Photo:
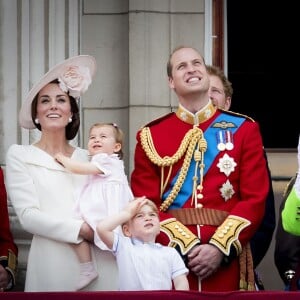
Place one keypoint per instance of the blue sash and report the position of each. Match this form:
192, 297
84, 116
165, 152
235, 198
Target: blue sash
211, 136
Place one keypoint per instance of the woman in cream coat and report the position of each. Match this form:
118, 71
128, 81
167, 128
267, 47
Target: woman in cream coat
43, 192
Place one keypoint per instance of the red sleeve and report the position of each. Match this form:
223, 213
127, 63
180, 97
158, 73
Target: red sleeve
6, 237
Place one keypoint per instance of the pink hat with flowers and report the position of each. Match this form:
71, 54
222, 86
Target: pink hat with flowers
74, 75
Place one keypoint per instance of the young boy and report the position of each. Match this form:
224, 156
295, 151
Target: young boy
143, 264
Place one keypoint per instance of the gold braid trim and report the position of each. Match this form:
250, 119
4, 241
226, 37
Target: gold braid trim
179, 234
149, 148
10, 261
227, 234
247, 279
187, 146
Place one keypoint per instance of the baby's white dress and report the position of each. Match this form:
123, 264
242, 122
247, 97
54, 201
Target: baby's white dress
103, 194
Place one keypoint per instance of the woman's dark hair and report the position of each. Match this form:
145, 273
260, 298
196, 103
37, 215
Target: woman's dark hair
72, 127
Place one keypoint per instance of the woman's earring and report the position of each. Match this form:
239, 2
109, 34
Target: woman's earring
70, 119
36, 120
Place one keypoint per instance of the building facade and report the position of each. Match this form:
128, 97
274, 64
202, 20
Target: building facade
131, 41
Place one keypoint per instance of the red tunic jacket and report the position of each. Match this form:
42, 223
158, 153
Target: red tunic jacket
8, 249
235, 181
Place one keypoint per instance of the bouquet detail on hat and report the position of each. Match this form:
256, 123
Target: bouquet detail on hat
75, 80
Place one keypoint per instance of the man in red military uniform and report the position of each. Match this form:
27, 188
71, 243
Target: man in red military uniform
8, 249
205, 169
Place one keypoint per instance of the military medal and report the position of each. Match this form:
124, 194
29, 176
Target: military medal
221, 138
227, 190
226, 164
225, 140
229, 140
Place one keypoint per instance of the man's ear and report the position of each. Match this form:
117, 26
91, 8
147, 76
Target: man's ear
171, 84
227, 103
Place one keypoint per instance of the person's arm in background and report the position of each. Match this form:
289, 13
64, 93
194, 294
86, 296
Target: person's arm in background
291, 210
8, 248
287, 246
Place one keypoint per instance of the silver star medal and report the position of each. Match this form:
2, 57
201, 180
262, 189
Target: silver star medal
227, 190
226, 164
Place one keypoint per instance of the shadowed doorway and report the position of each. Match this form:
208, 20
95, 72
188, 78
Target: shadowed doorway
260, 56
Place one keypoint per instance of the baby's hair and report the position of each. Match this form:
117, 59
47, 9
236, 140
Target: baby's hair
118, 134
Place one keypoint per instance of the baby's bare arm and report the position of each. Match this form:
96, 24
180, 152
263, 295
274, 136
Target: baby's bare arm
77, 167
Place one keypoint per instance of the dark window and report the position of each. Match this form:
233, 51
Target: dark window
261, 56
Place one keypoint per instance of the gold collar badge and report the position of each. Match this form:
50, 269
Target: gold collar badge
195, 119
